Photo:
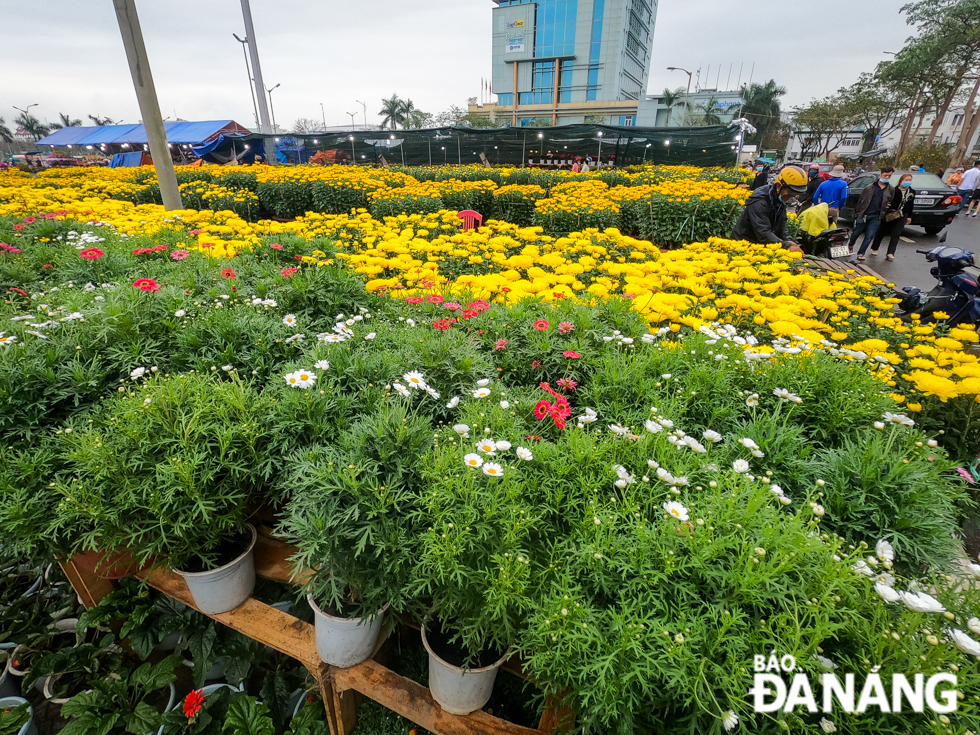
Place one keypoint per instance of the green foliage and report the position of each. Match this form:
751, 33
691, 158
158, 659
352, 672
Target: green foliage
671, 222
12, 719
118, 702
247, 716
286, 198
167, 470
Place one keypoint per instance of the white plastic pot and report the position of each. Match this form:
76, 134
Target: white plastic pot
459, 691
345, 642
8, 685
217, 671
225, 588
29, 728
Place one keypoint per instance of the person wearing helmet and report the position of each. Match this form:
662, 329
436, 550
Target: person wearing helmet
764, 218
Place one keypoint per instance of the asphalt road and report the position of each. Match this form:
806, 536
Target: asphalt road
909, 267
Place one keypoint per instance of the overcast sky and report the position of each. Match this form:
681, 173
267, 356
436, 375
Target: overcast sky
67, 55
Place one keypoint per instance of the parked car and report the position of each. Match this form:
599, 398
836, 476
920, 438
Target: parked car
935, 203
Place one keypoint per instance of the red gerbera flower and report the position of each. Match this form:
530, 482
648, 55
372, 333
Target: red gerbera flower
426, 284
441, 324
18, 227
47, 265
91, 254
542, 409
275, 246
287, 272
193, 703
536, 364
434, 299
541, 325
469, 313
29, 220
413, 300
571, 354
567, 383
228, 273
146, 284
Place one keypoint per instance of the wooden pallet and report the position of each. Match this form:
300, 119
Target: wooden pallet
848, 269
342, 689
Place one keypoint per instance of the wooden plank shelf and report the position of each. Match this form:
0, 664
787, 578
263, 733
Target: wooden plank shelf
341, 688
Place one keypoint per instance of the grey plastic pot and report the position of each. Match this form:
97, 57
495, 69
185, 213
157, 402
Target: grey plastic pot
459, 691
345, 642
8, 685
170, 642
29, 728
217, 671
224, 588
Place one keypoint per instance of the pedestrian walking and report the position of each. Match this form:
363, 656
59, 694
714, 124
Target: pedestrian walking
968, 186
870, 210
761, 177
833, 193
897, 215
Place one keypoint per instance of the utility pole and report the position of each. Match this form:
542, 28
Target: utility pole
146, 95
253, 50
324, 116
364, 104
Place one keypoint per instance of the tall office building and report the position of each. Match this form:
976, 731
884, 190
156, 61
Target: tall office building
569, 61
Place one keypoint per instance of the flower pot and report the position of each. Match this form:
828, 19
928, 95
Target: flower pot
228, 586
217, 671
112, 564
345, 642
8, 684
169, 643
27, 729
460, 691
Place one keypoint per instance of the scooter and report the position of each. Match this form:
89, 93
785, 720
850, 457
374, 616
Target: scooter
958, 292
830, 244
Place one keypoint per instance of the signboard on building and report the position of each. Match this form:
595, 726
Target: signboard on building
515, 45
516, 23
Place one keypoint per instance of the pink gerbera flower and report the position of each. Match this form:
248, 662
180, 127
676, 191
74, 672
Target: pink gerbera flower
287, 272
567, 383
571, 354
413, 300
275, 246
179, 254
29, 220
566, 327
541, 325
91, 254
452, 306
434, 299
500, 344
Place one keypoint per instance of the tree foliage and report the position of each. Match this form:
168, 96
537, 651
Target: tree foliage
762, 107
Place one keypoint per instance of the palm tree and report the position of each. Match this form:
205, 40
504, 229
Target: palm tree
761, 106
101, 120
32, 126
65, 122
6, 134
709, 112
391, 112
670, 99
408, 112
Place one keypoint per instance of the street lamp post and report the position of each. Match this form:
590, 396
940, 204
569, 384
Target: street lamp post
28, 108
645, 152
324, 115
352, 115
687, 97
667, 146
401, 147
353, 156
248, 72
364, 104
272, 109
598, 162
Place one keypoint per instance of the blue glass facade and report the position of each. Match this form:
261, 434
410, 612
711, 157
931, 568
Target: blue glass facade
595, 50
506, 100
555, 28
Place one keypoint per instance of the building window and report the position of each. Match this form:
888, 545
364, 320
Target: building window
555, 27
526, 98
542, 83
595, 50
565, 82
505, 100
627, 120
957, 120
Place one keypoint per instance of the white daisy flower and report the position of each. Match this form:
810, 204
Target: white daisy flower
401, 389
677, 510
473, 460
322, 365
884, 550
481, 392
227, 368
825, 663
922, 602
483, 382
729, 720
487, 446
290, 320
618, 430
964, 642
179, 312
879, 425
974, 625
588, 417
301, 379
712, 436
295, 338
652, 426
137, 373
462, 429
898, 418
748, 443
505, 404
453, 402
503, 446
432, 392
740, 466
525, 454
887, 593
370, 336
827, 726
493, 469
7, 341
415, 379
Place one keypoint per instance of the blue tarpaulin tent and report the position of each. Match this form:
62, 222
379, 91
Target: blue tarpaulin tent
178, 133
121, 160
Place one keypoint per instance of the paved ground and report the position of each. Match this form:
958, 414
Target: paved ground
910, 268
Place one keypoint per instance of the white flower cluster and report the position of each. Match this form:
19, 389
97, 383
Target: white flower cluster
272, 303
414, 381
82, 240
301, 379
490, 448
619, 338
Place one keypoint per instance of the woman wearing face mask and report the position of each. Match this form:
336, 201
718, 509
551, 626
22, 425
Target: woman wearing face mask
897, 215
761, 177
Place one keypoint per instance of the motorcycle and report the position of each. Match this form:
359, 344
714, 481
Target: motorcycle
830, 244
958, 292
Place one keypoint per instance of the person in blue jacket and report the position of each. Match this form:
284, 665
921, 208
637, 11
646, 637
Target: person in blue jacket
834, 192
